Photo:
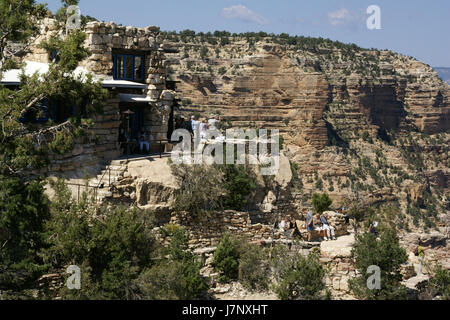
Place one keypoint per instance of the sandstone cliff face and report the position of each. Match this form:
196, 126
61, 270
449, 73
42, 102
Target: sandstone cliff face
364, 121
291, 90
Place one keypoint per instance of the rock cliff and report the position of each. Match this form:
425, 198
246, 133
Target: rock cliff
356, 121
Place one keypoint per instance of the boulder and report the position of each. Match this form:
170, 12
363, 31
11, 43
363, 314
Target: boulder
434, 239
284, 174
416, 285
340, 248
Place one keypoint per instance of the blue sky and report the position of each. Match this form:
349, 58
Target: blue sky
414, 27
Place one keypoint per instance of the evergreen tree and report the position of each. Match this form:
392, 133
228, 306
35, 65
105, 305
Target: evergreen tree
226, 258
298, 277
18, 22
23, 211
384, 253
321, 202
24, 146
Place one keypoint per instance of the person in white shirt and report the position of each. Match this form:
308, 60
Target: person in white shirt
194, 124
203, 128
213, 122
282, 225
329, 229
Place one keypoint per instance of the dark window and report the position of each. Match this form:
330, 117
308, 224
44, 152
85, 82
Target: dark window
56, 110
38, 113
128, 67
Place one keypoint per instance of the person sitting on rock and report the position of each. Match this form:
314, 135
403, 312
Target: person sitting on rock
282, 225
143, 137
293, 231
328, 229
318, 226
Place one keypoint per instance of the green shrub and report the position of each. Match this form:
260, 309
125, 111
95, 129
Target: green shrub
226, 259
319, 184
321, 202
385, 253
172, 280
62, 143
254, 268
177, 277
224, 41
201, 188
117, 254
298, 277
222, 71
111, 251
239, 184
23, 211
440, 283
204, 52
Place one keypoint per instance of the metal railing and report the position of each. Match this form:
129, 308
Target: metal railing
108, 169
86, 186
95, 188
159, 142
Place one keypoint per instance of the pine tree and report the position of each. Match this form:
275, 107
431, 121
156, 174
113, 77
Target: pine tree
24, 207
384, 253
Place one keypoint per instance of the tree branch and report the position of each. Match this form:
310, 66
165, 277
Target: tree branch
31, 103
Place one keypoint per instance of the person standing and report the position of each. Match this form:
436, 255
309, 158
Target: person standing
212, 122
203, 128
420, 251
309, 224
194, 124
186, 125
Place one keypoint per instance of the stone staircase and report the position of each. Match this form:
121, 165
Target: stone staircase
106, 180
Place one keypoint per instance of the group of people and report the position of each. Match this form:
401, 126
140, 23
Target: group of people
202, 125
318, 223
195, 125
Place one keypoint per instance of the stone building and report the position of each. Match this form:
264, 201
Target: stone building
130, 63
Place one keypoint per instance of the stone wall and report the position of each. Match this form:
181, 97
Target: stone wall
105, 38
98, 145
208, 229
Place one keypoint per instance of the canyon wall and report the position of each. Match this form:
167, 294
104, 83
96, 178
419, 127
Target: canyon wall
291, 89
339, 107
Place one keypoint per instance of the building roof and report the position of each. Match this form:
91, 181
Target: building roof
124, 97
123, 84
12, 77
